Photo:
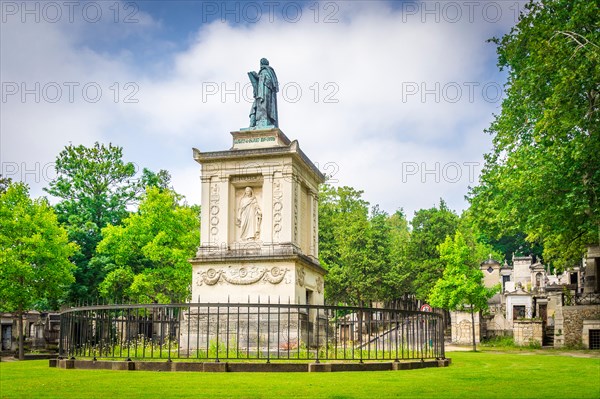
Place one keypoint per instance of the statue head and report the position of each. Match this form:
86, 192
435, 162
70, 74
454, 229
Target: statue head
248, 192
264, 61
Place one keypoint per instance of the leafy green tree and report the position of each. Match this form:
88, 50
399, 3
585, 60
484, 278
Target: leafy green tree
379, 246
146, 258
543, 174
515, 244
481, 249
397, 282
430, 227
34, 254
343, 222
353, 247
95, 186
160, 180
4, 183
461, 287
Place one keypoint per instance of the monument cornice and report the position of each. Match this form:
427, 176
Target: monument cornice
293, 149
302, 259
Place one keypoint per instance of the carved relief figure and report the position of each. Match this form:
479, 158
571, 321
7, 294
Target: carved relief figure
249, 216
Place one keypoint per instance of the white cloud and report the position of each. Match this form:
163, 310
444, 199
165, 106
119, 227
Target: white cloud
368, 63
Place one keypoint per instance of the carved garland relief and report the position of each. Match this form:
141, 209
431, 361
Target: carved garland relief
244, 276
300, 277
315, 232
320, 284
277, 208
214, 211
296, 200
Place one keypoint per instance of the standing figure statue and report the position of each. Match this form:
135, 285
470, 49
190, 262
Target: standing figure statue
249, 216
265, 84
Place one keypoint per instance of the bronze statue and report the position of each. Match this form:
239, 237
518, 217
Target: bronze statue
263, 113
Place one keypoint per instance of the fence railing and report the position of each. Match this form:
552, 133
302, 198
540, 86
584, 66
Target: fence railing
215, 331
581, 299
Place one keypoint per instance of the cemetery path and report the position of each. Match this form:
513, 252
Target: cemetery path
456, 348
526, 352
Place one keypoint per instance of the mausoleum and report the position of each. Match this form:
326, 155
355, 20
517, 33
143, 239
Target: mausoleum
259, 234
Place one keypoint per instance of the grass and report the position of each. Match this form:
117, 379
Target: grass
142, 349
471, 375
507, 343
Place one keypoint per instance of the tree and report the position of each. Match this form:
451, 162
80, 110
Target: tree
430, 227
95, 187
343, 222
543, 174
379, 246
354, 247
481, 248
5, 182
160, 180
397, 283
461, 287
35, 251
146, 258
515, 244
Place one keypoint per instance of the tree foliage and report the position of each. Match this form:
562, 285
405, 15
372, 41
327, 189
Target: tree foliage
515, 244
482, 249
34, 254
146, 258
343, 219
5, 182
35, 251
398, 280
373, 256
461, 287
430, 227
95, 186
355, 246
543, 174
93, 183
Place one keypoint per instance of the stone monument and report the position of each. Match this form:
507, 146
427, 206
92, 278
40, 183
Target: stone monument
259, 217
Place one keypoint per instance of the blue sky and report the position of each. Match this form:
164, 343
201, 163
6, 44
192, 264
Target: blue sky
389, 97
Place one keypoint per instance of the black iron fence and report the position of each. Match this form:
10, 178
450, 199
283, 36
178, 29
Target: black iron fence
580, 299
214, 331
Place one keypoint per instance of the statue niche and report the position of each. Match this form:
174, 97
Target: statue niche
248, 216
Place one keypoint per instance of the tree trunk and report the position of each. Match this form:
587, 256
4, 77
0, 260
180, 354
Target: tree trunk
21, 335
473, 327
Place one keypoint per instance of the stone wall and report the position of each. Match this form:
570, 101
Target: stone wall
462, 332
527, 332
573, 322
559, 325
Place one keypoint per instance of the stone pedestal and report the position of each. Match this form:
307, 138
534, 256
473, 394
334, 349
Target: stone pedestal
592, 270
259, 223
559, 329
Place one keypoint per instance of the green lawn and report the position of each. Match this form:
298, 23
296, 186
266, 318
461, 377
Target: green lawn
471, 375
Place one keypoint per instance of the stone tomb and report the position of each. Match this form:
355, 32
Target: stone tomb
259, 223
